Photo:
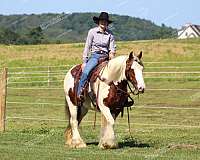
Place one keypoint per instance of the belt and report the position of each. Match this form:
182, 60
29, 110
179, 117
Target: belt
101, 52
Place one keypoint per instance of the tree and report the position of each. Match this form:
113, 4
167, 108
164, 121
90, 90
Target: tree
7, 36
35, 36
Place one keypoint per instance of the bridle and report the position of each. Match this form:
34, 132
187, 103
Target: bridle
133, 92
129, 79
131, 102
128, 94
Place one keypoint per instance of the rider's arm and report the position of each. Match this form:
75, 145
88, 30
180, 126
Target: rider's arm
88, 45
112, 47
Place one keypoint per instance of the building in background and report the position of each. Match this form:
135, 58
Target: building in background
189, 31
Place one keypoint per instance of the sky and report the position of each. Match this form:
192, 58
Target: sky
174, 13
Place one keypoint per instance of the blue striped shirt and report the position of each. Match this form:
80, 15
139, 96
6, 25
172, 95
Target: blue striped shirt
98, 41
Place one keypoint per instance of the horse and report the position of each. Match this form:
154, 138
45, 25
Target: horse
113, 78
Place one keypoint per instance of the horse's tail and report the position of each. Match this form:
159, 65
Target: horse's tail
67, 112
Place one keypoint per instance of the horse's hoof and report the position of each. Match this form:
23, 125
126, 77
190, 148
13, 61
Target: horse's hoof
106, 145
78, 144
81, 145
68, 142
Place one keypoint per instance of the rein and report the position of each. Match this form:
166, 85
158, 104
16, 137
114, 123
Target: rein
97, 97
127, 93
129, 103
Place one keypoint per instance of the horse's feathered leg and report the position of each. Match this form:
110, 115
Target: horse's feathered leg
81, 112
108, 139
68, 131
76, 140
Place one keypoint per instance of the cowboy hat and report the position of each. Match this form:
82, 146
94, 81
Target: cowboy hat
102, 16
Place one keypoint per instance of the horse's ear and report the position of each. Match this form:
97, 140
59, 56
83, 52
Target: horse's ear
131, 55
140, 55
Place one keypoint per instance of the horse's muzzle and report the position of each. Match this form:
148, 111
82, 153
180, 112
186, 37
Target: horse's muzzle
141, 90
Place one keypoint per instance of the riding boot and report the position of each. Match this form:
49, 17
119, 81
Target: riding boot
80, 98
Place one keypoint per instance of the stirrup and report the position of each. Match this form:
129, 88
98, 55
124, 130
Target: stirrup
92, 98
80, 99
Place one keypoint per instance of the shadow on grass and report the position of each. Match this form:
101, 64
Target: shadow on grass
132, 142
128, 142
93, 143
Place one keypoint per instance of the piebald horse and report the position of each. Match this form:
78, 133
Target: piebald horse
118, 72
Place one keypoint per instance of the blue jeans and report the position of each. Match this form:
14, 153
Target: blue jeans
90, 65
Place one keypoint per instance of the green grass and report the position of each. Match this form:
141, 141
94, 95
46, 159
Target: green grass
169, 133
45, 141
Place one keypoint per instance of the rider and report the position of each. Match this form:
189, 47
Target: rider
100, 41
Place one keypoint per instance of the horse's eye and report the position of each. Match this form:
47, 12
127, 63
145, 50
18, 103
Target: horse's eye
137, 61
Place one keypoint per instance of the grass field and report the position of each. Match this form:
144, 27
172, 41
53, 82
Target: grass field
164, 124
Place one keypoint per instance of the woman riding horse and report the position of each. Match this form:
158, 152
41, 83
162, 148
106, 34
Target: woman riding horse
100, 41
111, 92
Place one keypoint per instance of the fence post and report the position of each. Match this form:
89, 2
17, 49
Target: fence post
48, 76
3, 95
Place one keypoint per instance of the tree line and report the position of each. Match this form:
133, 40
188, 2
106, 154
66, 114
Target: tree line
62, 28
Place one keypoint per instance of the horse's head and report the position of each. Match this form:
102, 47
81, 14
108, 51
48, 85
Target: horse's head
134, 71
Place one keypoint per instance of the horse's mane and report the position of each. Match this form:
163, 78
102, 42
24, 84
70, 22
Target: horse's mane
115, 69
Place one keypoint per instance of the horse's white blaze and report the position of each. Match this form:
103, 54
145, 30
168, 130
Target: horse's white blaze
138, 75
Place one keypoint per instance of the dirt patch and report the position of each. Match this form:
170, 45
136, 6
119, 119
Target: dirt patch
184, 146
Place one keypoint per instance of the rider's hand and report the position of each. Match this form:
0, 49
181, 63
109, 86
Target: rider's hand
83, 66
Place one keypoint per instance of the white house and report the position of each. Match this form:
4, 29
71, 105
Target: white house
189, 31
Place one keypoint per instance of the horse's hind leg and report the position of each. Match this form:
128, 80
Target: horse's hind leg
73, 138
68, 131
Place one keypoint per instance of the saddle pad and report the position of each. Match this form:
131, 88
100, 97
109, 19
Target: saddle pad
77, 71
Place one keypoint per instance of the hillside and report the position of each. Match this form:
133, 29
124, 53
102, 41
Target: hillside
62, 54
60, 28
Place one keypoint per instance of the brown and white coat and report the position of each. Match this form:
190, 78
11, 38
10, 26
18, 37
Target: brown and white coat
118, 72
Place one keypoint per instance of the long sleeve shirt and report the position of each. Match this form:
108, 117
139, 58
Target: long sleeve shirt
98, 41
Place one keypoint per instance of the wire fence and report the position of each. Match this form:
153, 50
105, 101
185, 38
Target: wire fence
38, 85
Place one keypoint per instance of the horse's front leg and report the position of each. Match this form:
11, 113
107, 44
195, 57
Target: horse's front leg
107, 136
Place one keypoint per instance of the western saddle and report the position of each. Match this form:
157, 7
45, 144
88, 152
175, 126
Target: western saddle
94, 74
